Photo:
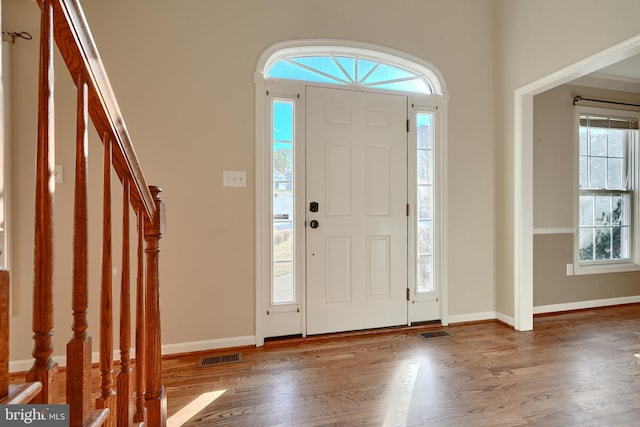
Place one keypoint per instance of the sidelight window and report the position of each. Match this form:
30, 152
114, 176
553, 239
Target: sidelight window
282, 196
424, 203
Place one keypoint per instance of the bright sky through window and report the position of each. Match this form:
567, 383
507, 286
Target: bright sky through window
350, 71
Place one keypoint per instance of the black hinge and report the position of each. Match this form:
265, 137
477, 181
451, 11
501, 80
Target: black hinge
408, 209
408, 294
408, 121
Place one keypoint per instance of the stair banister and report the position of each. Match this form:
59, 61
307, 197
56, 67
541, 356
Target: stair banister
137, 397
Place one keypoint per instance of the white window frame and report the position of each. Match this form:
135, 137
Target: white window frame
427, 104
608, 266
263, 174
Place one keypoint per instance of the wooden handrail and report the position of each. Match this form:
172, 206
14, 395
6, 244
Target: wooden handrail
80, 54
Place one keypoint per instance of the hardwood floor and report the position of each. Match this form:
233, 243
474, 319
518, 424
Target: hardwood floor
574, 369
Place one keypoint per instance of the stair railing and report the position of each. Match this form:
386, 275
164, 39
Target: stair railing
135, 397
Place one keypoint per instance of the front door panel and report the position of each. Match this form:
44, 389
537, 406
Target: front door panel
356, 166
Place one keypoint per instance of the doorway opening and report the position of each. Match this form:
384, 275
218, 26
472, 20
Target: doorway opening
523, 169
308, 93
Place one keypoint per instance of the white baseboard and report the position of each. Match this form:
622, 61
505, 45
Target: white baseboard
61, 360
187, 347
581, 305
21, 365
506, 319
471, 317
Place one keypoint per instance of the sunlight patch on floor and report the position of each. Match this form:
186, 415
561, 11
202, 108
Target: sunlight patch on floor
398, 411
196, 405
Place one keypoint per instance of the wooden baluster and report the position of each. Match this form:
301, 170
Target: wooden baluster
4, 333
124, 383
44, 369
141, 342
79, 347
107, 394
155, 396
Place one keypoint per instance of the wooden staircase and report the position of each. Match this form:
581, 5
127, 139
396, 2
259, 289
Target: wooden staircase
137, 395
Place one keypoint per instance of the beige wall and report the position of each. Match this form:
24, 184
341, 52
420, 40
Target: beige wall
551, 285
553, 136
535, 39
553, 193
183, 74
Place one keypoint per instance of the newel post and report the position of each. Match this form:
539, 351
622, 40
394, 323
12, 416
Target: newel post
156, 400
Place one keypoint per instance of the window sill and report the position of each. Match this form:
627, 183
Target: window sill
619, 267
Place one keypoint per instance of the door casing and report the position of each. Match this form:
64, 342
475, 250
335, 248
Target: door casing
295, 90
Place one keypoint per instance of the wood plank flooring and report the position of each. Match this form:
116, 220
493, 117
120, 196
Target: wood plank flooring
574, 369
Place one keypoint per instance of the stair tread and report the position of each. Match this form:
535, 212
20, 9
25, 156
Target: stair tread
21, 393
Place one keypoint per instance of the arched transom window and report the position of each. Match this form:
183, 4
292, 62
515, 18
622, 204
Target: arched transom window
350, 70
355, 67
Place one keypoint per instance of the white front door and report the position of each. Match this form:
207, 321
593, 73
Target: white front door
356, 219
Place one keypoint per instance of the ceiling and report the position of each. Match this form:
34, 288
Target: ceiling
628, 68
623, 75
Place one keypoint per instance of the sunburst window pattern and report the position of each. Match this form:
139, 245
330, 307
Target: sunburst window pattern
351, 71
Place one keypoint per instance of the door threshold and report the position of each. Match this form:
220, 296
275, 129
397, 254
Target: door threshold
299, 339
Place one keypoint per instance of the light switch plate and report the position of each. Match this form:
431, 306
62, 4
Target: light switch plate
234, 178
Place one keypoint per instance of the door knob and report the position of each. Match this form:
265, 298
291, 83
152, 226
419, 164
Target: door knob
314, 224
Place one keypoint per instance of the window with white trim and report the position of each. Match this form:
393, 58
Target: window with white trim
607, 186
283, 290
283, 72
424, 203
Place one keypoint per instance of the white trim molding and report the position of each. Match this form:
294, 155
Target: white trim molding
185, 347
471, 317
554, 230
262, 155
284, 49
188, 347
523, 168
582, 305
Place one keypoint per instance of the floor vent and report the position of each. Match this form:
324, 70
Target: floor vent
219, 360
434, 334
